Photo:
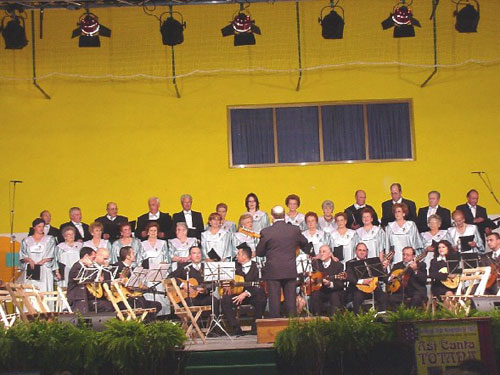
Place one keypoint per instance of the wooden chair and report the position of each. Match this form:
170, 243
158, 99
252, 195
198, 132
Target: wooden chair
58, 299
185, 312
28, 302
472, 283
6, 318
119, 297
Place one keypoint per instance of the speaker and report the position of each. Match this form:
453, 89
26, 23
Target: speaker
486, 303
93, 320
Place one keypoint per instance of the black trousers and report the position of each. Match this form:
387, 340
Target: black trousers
319, 297
274, 288
257, 300
414, 299
358, 297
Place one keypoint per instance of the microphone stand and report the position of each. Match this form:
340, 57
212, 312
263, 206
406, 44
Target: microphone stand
487, 184
12, 216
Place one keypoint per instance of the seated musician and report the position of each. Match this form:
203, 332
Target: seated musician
331, 290
357, 295
438, 271
251, 295
493, 258
415, 289
194, 270
127, 258
79, 296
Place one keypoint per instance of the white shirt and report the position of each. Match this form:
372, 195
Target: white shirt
245, 267
46, 229
473, 210
327, 263
189, 218
155, 216
357, 206
79, 227
439, 258
197, 267
111, 218
496, 254
398, 201
432, 211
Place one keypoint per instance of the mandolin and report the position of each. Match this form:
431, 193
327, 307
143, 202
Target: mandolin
401, 276
369, 288
316, 280
451, 283
495, 272
249, 232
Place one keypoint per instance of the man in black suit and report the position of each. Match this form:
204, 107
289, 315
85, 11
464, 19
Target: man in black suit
194, 270
416, 289
433, 209
47, 229
475, 214
331, 289
154, 214
388, 215
193, 219
79, 297
279, 243
82, 233
357, 295
111, 222
353, 212
251, 295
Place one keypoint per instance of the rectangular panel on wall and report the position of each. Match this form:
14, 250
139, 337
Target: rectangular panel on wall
389, 131
252, 136
298, 134
343, 132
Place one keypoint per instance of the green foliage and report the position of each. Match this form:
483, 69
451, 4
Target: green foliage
122, 348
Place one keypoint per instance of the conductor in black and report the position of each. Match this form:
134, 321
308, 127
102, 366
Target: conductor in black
279, 243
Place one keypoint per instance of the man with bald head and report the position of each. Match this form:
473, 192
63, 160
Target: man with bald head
278, 243
111, 222
154, 215
353, 212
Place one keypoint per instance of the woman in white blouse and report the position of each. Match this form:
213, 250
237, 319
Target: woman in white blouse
316, 236
178, 247
462, 229
67, 254
125, 239
260, 218
371, 235
345, 237
216, 239
293, 216
97, 242
327, 221
221, 209
433, 236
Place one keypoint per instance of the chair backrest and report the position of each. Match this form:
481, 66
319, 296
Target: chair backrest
476, 277
174, 293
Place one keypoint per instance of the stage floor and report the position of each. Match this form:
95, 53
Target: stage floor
224, 343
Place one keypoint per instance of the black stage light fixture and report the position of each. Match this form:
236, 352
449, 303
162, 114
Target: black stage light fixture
332, 25
89, 29
13, 28
172, 30
402, 20
467, 17
243, 28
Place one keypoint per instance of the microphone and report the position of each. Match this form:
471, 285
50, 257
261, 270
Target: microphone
477, 172
16, 181
186, 268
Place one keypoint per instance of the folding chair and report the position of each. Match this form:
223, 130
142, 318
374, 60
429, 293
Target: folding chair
472, 283
58, 297
6, 318
28, 302
118, 297
185, 312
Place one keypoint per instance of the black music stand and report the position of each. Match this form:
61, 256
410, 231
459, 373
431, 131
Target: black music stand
470, 260
216, 273
367, 269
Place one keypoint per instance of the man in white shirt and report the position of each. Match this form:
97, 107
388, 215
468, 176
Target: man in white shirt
396, 195
155, 215
193, 219
111, 222
493, 258
82, 233
433, 209
354, 211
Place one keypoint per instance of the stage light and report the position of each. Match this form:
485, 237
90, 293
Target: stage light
402, 20
243, 28
467, 17
13, 30
332, 25
172, 30
89, 29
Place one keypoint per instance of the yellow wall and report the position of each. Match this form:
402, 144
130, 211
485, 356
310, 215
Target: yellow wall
100, 140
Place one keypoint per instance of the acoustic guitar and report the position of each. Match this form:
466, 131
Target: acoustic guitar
401, 276
495, 272
237, 285
369, 288
451, 283
316, 280
194, 289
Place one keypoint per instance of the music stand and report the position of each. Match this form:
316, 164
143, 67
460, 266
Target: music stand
304, 266
215, 273
470, 260
367, 269
453, 265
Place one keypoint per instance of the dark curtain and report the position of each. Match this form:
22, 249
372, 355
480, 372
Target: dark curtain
343, 132
298, 139
389, 131
252, 136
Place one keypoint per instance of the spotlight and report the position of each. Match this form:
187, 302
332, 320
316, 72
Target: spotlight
402, 20
243, 28
332, 25
467, 17
172, 30
14, 33
89, 29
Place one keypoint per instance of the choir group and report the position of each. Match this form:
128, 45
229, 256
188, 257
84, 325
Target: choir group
416, 243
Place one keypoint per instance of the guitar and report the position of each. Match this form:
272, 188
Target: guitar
369, 288
495, 272
194, 289
451, 283
401, 276
316, 280
249, 233
237, 285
